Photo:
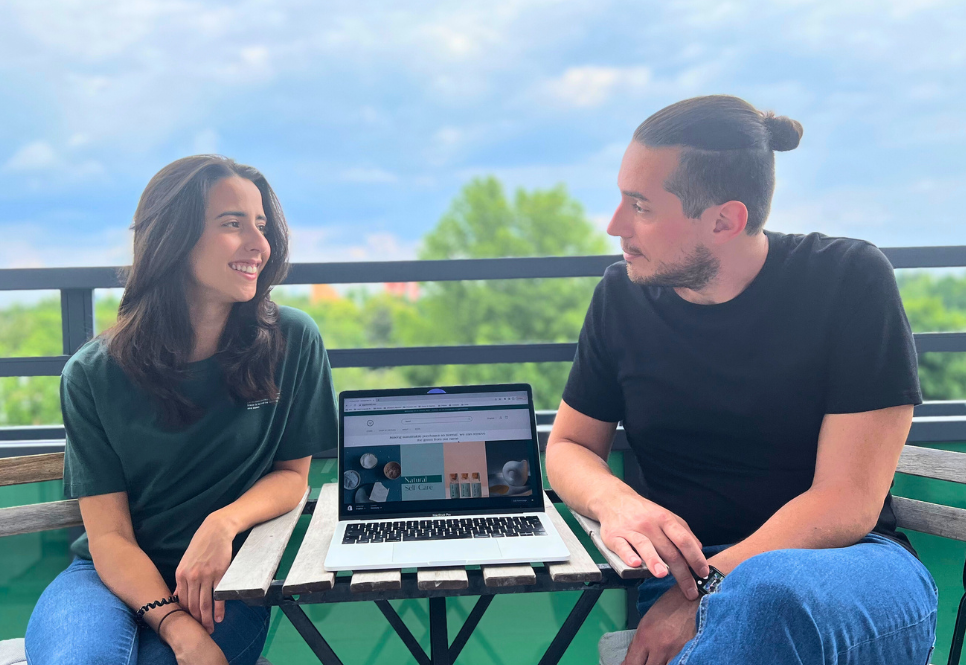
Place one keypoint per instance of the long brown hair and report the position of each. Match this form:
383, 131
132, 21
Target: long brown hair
153, 338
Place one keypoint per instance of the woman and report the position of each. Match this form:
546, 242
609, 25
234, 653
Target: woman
191, 420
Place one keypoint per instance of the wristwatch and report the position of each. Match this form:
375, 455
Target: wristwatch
708, 585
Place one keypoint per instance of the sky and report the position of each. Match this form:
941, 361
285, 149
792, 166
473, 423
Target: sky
368, 118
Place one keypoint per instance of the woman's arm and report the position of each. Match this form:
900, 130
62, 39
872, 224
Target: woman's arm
131, 576
209, 554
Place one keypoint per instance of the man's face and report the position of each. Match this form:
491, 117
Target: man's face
662, 247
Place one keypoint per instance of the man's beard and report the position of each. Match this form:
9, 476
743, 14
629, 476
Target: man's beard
695, 272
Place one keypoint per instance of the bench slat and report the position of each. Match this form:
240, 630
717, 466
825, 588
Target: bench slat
308, 572
581, 566
31, 469
930, 518
375, 580
39, 517
431, 579
622, 569
932, 463
253, 568
514, 574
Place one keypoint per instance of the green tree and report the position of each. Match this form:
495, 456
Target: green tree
483, 223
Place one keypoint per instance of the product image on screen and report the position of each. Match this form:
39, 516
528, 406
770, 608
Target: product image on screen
459, 451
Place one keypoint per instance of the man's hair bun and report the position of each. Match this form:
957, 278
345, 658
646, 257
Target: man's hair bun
783, 132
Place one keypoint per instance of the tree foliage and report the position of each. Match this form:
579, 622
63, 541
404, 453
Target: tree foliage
482, 222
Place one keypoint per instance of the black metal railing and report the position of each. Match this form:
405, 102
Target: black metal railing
935, 422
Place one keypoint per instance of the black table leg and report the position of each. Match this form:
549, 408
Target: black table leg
438, 637
403, 631
309, 633
472, 621
570, 627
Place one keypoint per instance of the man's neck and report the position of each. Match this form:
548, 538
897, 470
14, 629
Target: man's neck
739, 266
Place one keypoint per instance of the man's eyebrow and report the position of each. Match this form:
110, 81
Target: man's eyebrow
238, 213
635, 195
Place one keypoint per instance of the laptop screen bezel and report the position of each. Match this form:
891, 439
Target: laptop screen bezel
536, 506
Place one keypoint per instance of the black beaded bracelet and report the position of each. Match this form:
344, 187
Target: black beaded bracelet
158, 603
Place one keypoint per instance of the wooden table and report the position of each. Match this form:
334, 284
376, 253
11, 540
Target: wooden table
251, 578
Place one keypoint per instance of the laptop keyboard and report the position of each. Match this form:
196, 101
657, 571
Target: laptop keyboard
443, 529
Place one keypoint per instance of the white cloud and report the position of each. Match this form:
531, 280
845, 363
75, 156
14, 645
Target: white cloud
590, 86
32, 245
36, 156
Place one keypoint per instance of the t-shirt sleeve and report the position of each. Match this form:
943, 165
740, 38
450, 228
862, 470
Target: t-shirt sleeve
873, 355
91, 466
593, 388
312, 424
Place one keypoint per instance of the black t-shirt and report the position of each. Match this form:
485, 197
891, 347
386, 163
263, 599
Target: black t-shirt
722, 404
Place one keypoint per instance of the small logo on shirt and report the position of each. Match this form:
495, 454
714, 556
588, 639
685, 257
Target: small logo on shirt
262, 402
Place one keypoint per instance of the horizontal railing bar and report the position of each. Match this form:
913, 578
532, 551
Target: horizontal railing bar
480, 354
368, 272
940, 342
468, 354
924, 430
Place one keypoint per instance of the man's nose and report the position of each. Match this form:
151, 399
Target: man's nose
617, 226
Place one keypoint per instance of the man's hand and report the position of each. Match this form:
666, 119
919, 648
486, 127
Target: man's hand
664, 630
203, 565
638, 529
190, 643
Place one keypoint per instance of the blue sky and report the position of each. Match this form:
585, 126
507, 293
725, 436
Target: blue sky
369, 117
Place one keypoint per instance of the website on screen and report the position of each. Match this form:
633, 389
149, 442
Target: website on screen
470, 450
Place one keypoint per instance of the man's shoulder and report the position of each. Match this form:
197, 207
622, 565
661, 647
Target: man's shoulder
830, 256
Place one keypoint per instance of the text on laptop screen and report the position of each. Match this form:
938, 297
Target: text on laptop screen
438, 452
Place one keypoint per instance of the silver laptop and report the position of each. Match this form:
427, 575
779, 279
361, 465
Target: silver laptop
440, 477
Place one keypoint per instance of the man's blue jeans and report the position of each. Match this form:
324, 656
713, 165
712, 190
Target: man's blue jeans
77, 620
869, 604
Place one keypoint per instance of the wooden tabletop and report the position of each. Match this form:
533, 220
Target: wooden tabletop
249, 576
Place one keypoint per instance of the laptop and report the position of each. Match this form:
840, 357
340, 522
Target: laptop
440, 477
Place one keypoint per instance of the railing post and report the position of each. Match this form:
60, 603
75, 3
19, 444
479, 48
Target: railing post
77, 318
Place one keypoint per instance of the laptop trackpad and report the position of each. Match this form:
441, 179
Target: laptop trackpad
445, 552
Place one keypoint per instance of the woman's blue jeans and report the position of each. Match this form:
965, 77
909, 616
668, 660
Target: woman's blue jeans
77, 620
869, 604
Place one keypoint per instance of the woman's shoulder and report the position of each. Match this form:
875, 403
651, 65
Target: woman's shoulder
89, 363
296, 324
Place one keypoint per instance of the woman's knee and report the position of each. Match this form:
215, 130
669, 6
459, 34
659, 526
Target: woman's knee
78, 620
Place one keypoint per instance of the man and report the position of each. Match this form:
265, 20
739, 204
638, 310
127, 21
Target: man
766, 383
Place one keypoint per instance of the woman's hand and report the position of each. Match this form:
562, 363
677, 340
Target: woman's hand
189, 641
201, 569
640, 531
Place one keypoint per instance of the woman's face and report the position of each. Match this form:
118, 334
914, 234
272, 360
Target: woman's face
232, 250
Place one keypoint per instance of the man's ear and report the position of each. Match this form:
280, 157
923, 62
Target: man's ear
730, 219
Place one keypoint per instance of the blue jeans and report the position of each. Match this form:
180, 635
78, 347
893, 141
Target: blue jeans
869, 604
77, 620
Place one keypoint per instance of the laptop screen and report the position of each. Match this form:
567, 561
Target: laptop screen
440, 452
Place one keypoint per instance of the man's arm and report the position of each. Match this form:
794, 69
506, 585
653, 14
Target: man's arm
632, 526
857, 458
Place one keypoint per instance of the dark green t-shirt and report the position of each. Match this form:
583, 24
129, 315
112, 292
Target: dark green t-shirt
175, 479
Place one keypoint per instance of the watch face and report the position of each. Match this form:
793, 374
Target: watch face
709, 584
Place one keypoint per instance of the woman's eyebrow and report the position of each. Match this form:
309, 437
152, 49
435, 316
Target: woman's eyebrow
238, 213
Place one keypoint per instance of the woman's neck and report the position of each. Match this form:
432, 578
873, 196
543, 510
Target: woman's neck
207, 322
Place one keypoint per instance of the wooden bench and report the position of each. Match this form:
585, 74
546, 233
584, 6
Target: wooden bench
44, 517
252, 572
